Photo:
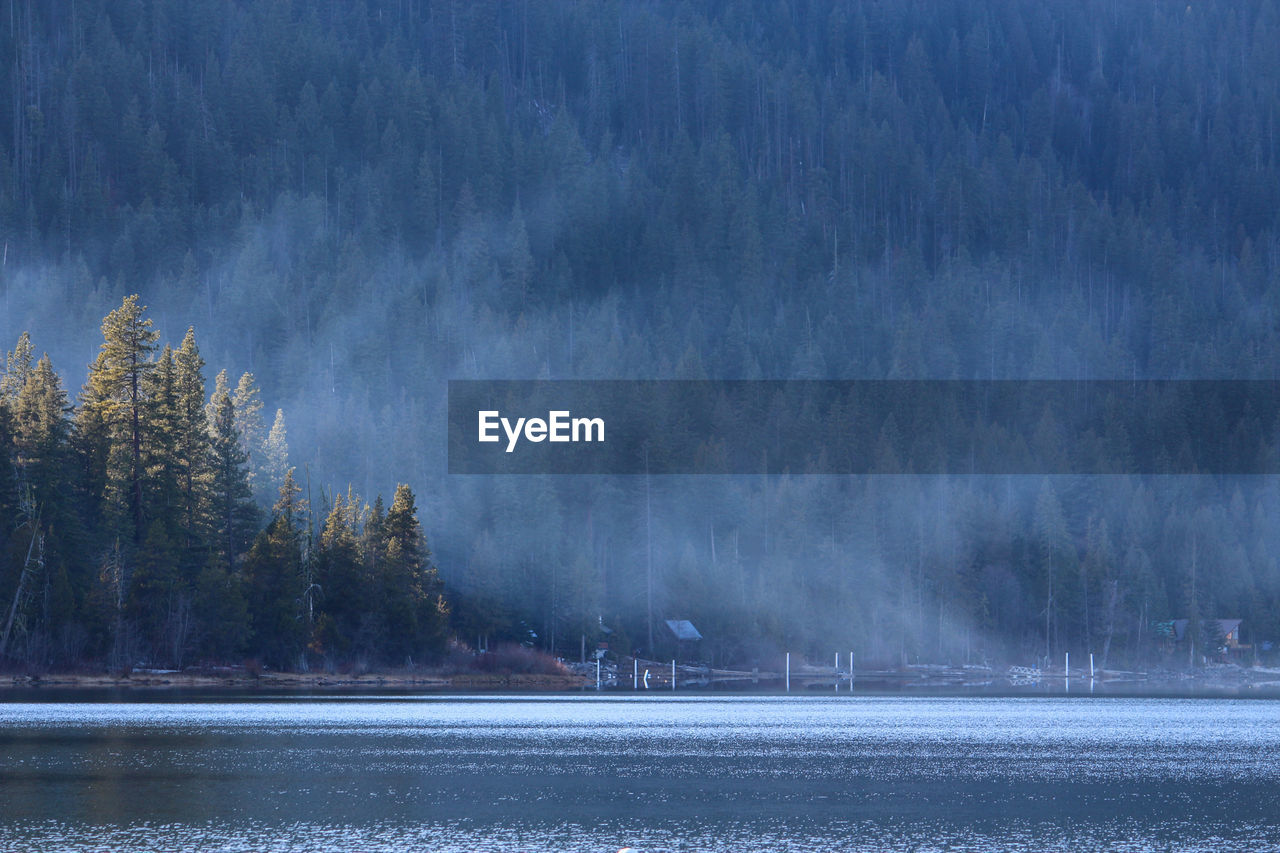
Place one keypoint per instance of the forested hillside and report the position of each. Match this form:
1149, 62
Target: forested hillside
357, 201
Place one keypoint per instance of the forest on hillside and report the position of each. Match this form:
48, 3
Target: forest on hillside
356, 201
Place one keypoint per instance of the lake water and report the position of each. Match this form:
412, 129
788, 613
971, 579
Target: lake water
590, 773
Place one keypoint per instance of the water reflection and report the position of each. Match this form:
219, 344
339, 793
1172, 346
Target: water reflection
661, 773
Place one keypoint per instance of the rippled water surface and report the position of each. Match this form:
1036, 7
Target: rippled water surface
600, 773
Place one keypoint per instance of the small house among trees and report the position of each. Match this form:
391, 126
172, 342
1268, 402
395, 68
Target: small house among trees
686, 636
1215, 637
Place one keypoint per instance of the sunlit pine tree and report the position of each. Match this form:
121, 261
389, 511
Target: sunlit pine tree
115, 402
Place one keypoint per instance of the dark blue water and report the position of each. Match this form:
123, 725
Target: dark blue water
666, 773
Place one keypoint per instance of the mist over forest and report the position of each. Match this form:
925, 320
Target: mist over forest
357, 201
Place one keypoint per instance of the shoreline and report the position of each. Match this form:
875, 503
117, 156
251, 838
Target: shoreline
292, 681
1257, 680
527, 683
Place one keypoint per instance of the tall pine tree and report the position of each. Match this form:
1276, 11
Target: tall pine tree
416, 614
274, 581
115, 395
247, 401
233, 512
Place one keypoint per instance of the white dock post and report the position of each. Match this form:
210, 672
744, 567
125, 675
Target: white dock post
1091, 666
788, 672
597, 673
850, 670
635, 674
835, 682
673, 674
1066, 667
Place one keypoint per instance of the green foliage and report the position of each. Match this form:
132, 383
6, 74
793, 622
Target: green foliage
114, 400
380, 596
192, 452
346, 625
410, 589
275, 582
234, 516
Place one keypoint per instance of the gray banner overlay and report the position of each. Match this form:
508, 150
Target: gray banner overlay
864, 427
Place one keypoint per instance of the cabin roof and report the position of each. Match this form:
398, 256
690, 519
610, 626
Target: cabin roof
1179, 627
683, 629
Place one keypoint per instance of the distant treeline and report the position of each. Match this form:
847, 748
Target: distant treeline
130, 532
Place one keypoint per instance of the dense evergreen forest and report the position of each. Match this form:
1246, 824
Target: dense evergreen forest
355, 201
135, 525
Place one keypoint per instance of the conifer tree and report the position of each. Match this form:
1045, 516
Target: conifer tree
41, 429
416, 613
160, 451
343, 584
192, 447
373, 540
220, 389
17, 367
275, 452
221, 612
159, 599
233, 513
247, 401
116, 392
91, 451
274, 581
161, 586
